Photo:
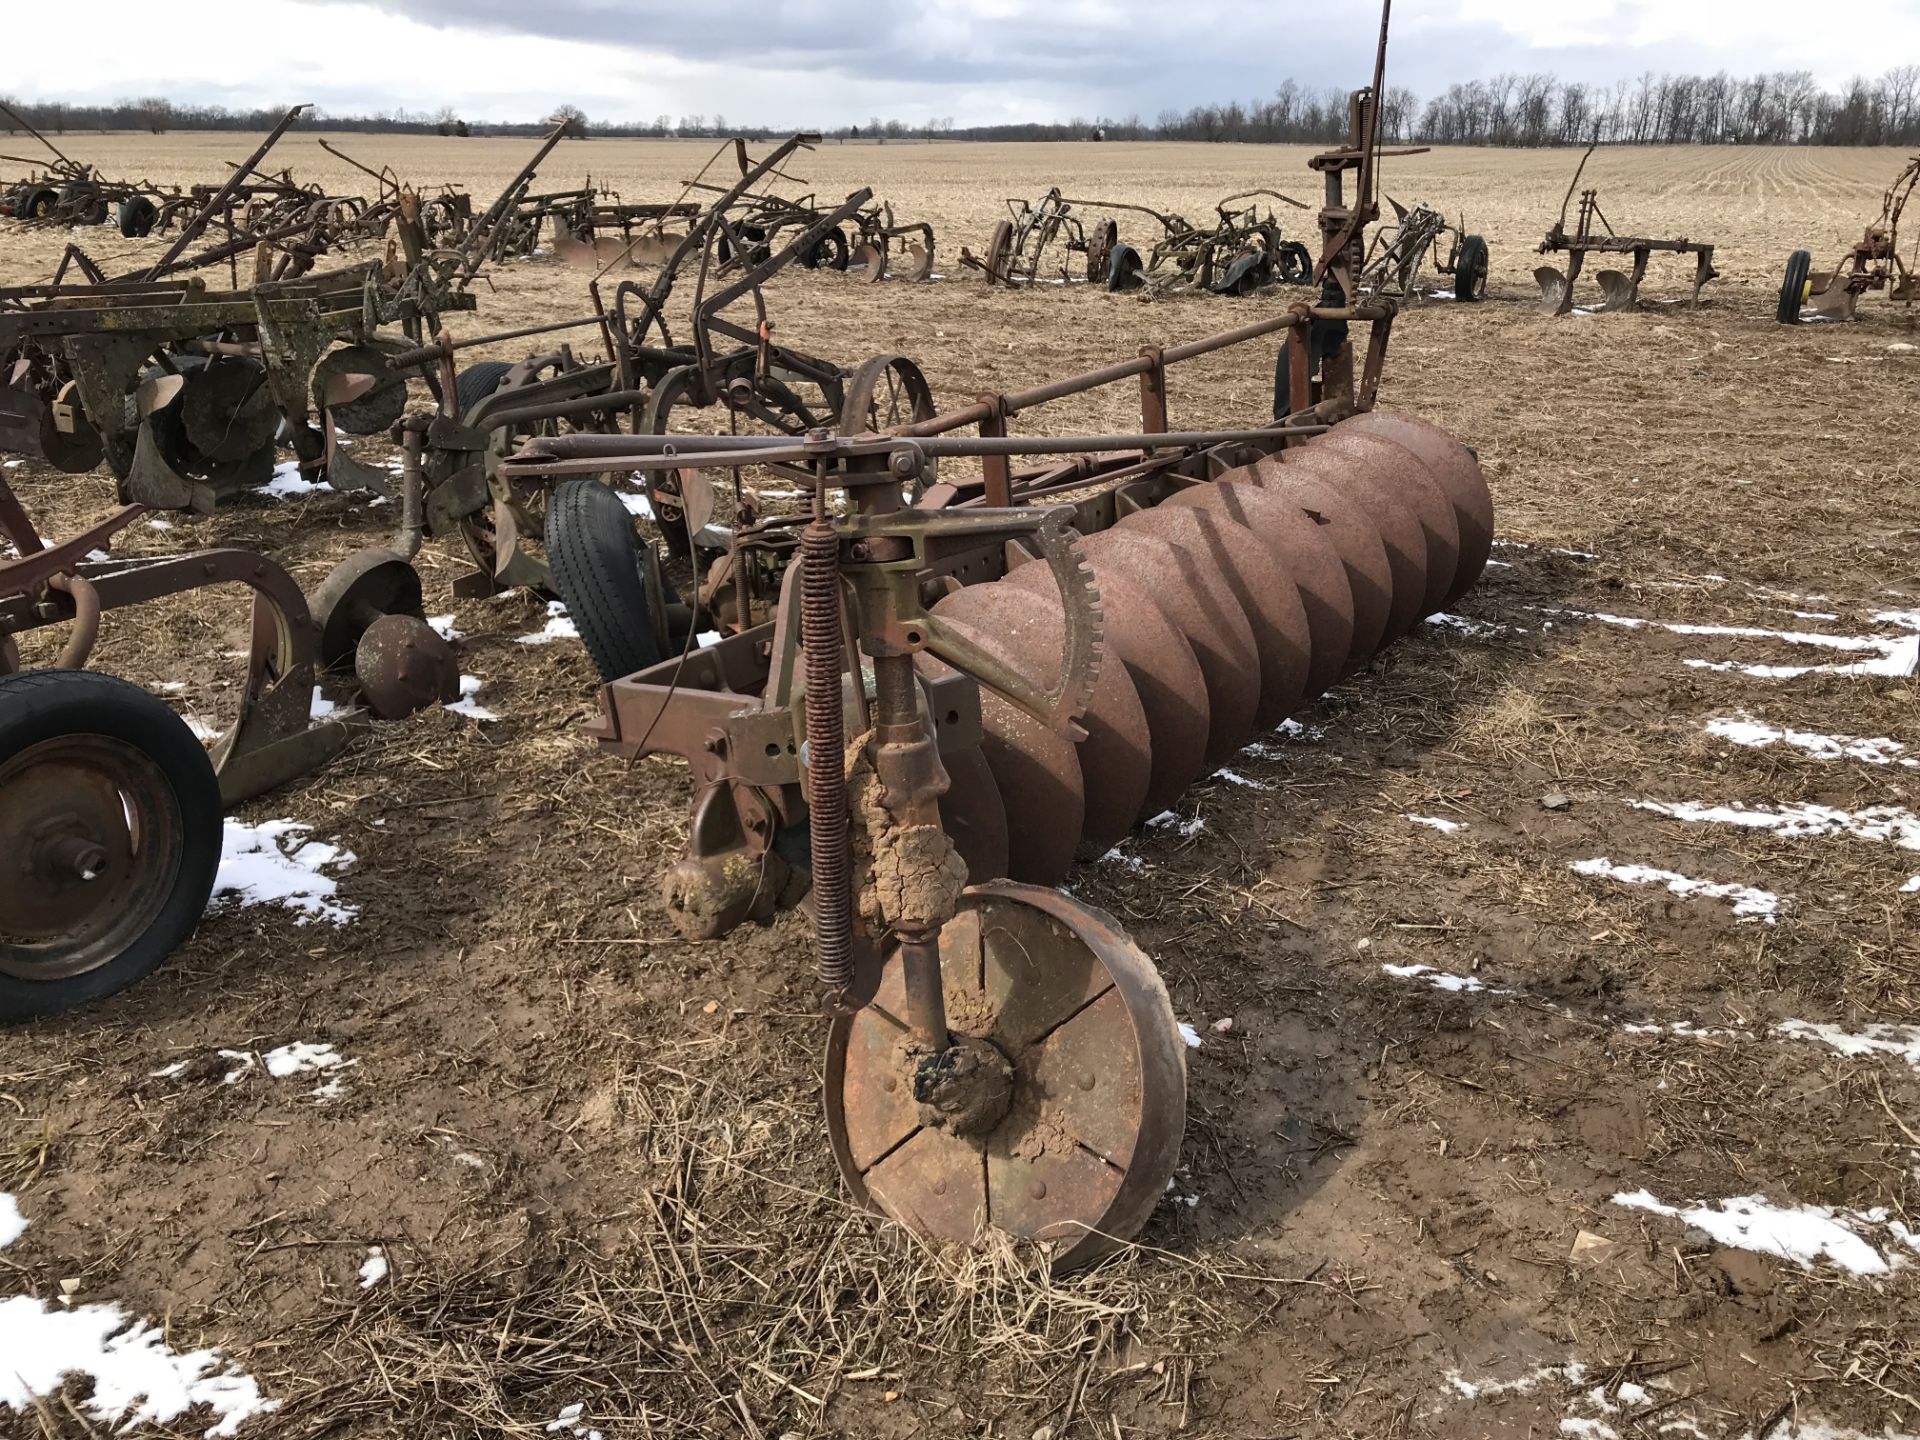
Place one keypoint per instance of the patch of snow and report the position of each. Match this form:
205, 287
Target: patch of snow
1233, 777
1117, 856
1742, 729
1902, 1041
1749, 902
467, 704
559, 626
374, 1270
287, 482
1800, 1233
1465, 626
272, 863
443, 626
1815, 615
1912, 886
1294, 730
159, 524
321, 707
137, 1379
12, 1223
1168, 820
568, 1421
706, 638
202, 731
1439, 979
1887, 824
1685, 1030
639, 504
302, 1057
1436, 822
1897, 660
1190, 1035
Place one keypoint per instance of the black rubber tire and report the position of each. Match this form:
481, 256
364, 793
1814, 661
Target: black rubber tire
1293, 263
136, 217
36, 202
1470, 271
830, 253
1793, 286
478, 381
41, 705
1123, 269
596, 562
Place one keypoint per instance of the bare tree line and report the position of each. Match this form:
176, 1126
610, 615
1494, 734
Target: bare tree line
1530, 110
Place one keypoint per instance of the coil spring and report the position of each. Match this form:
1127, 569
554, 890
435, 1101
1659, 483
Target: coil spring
820, 633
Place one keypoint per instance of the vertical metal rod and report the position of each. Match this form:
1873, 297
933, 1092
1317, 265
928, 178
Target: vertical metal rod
220, 197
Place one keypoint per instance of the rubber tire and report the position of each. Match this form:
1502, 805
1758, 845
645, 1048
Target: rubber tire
831, 252
36, 202
1799, 266
478, 381
1124, 268
40, 705
596, 560
1293, 263
1470, 271
136, 217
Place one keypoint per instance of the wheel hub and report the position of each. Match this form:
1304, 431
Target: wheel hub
88, 828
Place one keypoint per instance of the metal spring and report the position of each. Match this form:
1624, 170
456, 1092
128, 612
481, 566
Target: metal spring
820, 633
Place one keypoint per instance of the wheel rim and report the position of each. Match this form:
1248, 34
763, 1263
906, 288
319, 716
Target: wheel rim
92, 834
1099, 1083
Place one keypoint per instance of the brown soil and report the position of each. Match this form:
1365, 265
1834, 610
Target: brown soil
593, 1153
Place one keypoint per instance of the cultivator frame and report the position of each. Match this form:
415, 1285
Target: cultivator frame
1871, 263
1622, 291
1399, 252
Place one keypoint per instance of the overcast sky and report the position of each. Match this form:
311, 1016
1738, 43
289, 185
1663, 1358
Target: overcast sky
821, 63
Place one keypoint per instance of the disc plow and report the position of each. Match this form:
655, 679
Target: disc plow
941, 688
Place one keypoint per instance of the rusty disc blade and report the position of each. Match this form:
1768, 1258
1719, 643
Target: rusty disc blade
973, 817
1166, 677
1308, 558
1090, 1140
1363, 555
1452, 465
1400, 532
1259, 583
1198, 599
1037, 772
1116, 758
1407, 478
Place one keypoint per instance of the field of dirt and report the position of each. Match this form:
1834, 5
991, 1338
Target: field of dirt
1560, 1029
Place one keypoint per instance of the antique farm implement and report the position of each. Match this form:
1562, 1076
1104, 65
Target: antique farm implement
1038, 242
110, 808
1240, 252
957, 683
1422, 236
1594, 235
63, 191
656, 380
1872, 263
